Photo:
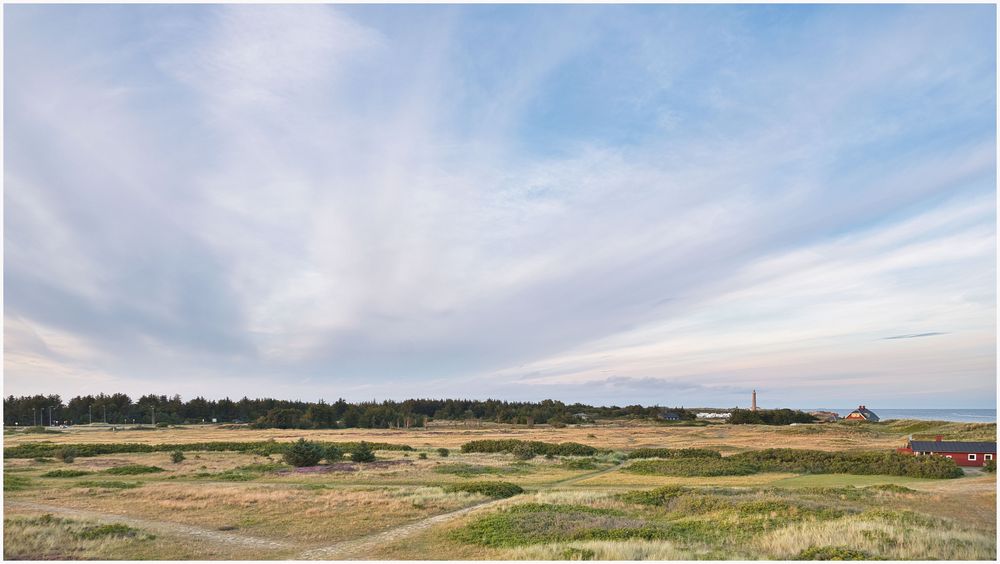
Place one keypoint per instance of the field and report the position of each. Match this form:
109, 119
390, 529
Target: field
414, 504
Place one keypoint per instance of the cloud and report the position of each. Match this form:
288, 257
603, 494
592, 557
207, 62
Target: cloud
915, 335
315, 200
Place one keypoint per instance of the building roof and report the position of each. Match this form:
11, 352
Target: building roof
867, 413
953, 446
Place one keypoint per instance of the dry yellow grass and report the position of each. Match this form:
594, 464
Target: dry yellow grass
268, 510
891, 540
614, 436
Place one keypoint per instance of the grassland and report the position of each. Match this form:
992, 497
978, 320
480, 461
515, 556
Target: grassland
420, 505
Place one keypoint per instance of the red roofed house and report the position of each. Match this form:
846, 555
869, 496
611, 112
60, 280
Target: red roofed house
963, 453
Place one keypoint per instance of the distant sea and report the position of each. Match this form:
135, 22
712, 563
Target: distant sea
962, 415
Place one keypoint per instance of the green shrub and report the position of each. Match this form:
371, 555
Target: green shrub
67, 455
523, 452
573, 553
116, 530
303, 453
497, 490
579, 464
111, 485
891, 488
65, 474
990, 466
833, 553
132, 469
443, 452
177, 456
691, 467
362, 453
333, 453
263, 448
674, 453
537, 447
470, 470
860, 463
656, 496
422, 456
534, 523
40, 430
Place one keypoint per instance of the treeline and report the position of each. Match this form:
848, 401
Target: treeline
286, 414
769, 417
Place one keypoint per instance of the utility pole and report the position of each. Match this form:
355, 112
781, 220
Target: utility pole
34, 417
50, 416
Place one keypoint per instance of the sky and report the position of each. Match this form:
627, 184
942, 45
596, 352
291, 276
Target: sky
667, 205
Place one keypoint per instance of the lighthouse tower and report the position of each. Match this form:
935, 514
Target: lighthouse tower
753, 401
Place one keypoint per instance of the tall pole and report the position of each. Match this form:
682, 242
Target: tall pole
50, 416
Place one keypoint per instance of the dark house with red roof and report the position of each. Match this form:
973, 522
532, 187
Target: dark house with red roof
962, 452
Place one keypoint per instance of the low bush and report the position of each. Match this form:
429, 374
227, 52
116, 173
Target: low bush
990, 466
497, 490
859, 463
362, 452
802, 462
39, 430
303, 453
657, 496
691, 467
535, 523
833, 553
537, 447
471, 470
573, 553
674, 453
524, 452
65, 474
133, 469
422, 456
177, 456
443, 452
891, 488
67, 455
116, 530
579, 464
333, 453
263, 448
110, 485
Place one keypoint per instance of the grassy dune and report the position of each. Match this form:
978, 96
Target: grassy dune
582, 507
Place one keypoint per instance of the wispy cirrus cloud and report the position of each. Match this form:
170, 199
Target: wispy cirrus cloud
372, 201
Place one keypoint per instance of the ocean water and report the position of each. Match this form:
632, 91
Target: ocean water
962, 415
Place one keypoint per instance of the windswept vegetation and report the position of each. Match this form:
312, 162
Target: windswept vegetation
534, 447
263, 448
496, 490
674, 453
803, 462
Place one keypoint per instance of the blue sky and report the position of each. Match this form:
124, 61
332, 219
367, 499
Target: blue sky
610, 204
